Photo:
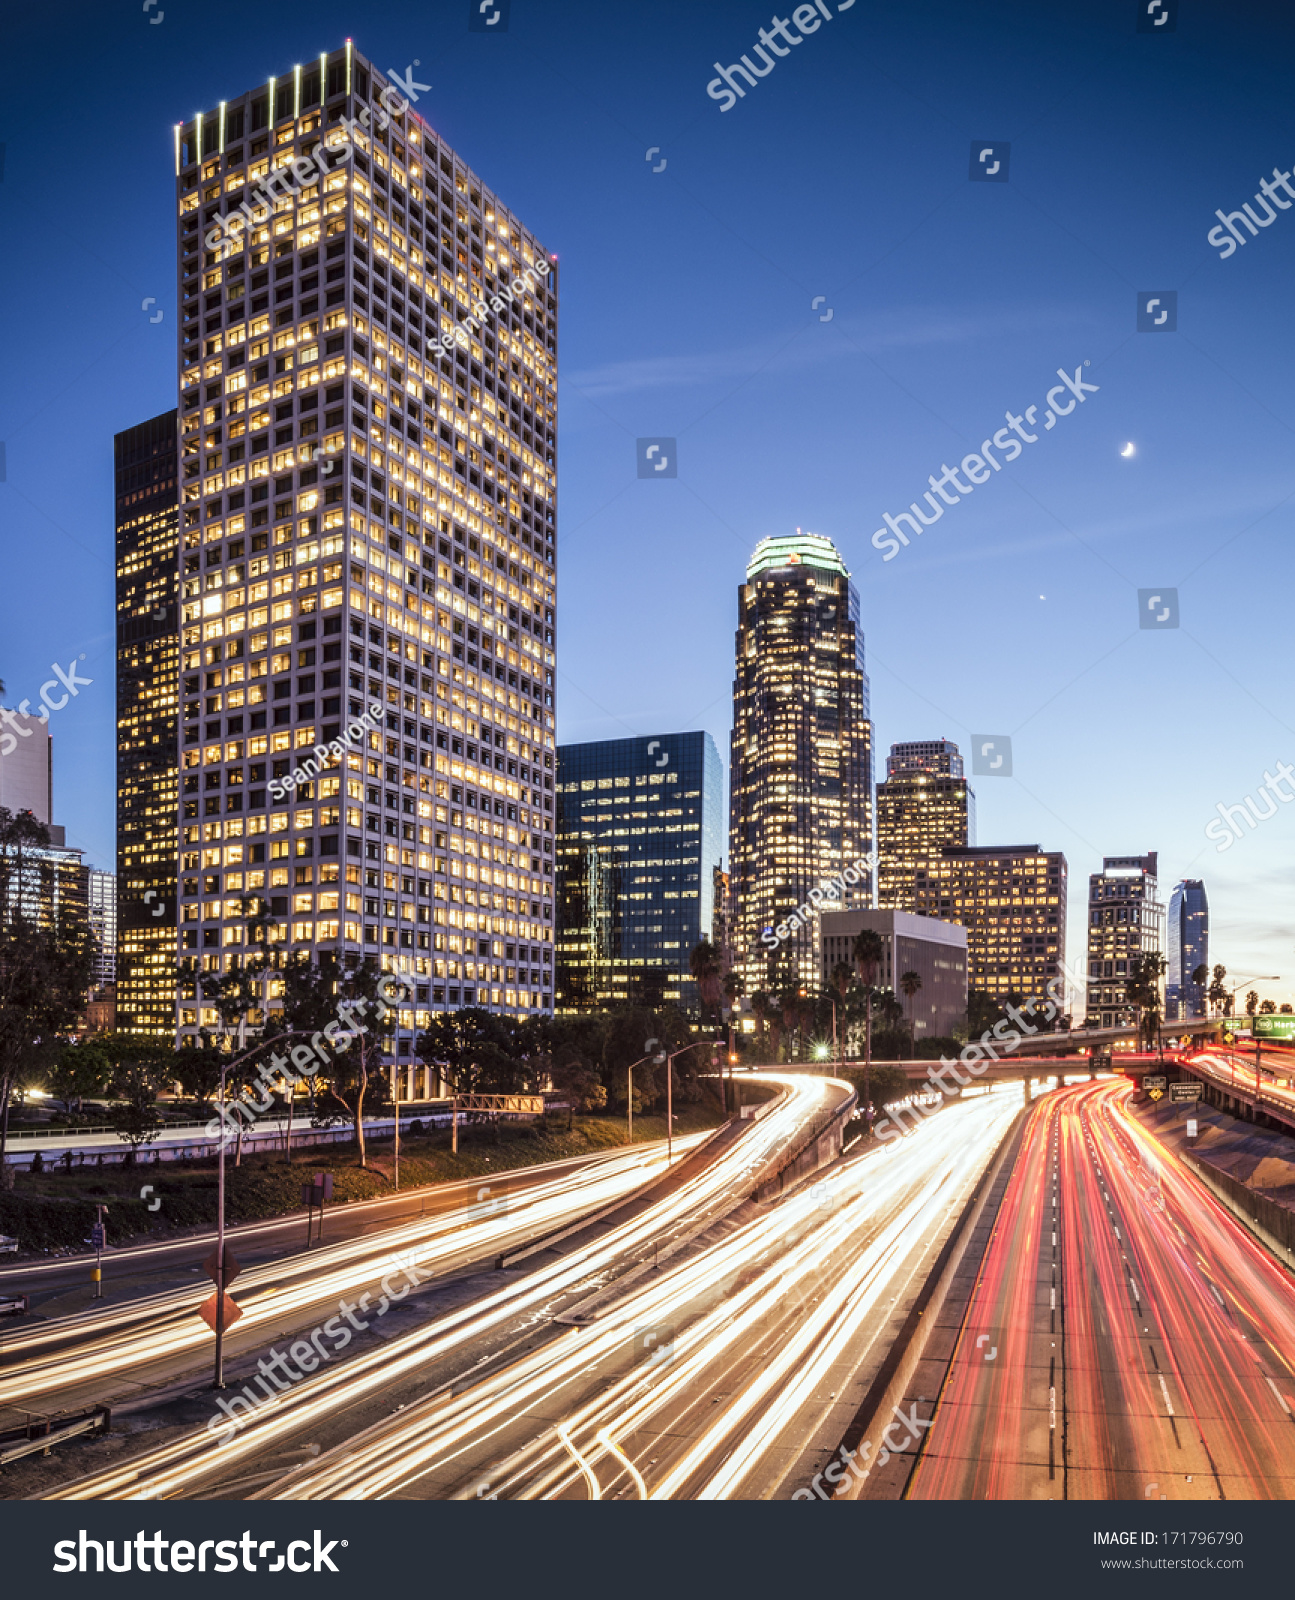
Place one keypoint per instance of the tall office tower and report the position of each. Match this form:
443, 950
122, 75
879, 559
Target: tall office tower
26, 764
1188, 947
1012, 901
367, 393
923, 805
102, 902
640, 836
1125, 921
147, 470
800, 799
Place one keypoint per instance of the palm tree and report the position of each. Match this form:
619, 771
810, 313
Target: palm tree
789, 1003
761, 1005
707, 969
1219, 994
910, 983
868, 953
1201, 976
842, 978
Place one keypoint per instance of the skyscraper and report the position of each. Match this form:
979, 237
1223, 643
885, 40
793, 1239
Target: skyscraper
147, 471
102, 895
367, 393
26, 764
923, 805
801, 772
1012, 901
1187, 948
639, 845
1125, 922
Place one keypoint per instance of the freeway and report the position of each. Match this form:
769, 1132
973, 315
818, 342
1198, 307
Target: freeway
718, 1379
95, 1355
213, 1461
1142, 1341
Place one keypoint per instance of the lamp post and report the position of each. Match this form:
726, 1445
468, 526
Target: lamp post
669, 1093
1259, 977
630, 1098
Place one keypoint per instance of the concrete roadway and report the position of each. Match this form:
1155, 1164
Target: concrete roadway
1127, 1339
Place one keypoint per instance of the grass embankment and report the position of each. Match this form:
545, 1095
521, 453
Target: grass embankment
53, 1211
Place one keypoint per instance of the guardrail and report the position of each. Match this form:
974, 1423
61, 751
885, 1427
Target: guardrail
42, 1436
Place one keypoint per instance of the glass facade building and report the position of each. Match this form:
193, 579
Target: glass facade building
924, 805
1125, 921
800, 801
367, 429
1188, 947
640, 839
147, 464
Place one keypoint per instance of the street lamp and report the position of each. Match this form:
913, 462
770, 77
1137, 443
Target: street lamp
669, 1094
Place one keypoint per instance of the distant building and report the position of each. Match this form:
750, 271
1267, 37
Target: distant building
26, 764
102, 889
936, 951
1125, 922
639, 839
1012, 901
800, 784
924, 805
47, 885
1187, 948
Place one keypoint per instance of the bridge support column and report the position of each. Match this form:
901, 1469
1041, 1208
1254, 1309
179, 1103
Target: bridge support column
1025, 1087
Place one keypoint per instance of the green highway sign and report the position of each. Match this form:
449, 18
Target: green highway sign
1271, 1026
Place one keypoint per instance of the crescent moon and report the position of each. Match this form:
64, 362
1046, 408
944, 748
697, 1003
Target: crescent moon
1127, 450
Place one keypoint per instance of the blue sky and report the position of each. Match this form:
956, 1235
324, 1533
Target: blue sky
686, 312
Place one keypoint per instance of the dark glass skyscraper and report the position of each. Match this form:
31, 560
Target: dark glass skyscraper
147, 463
640, 834
800, 803
1188, 947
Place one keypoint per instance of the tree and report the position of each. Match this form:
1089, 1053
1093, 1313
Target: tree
46, 959
761, 1006
1142, 990
1200, 978
1219, 995
707, 968
1252, 1002
140, 1067
868, 953
352, 1074
309, 1005
1267, 1007
78, 1071
910, 983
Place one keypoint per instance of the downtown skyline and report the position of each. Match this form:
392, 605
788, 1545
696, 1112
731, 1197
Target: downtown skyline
912, 361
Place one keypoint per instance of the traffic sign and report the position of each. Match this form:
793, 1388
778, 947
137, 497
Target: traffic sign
98, 1236
207, 1311
1188, 1089
1268, 1026
1155, 1094
232, 1268
1100, 1061
1154, 1080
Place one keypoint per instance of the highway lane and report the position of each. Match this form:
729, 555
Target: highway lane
511, 1311
128, 1267
1142, 1340
708, 1380
90, 1356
